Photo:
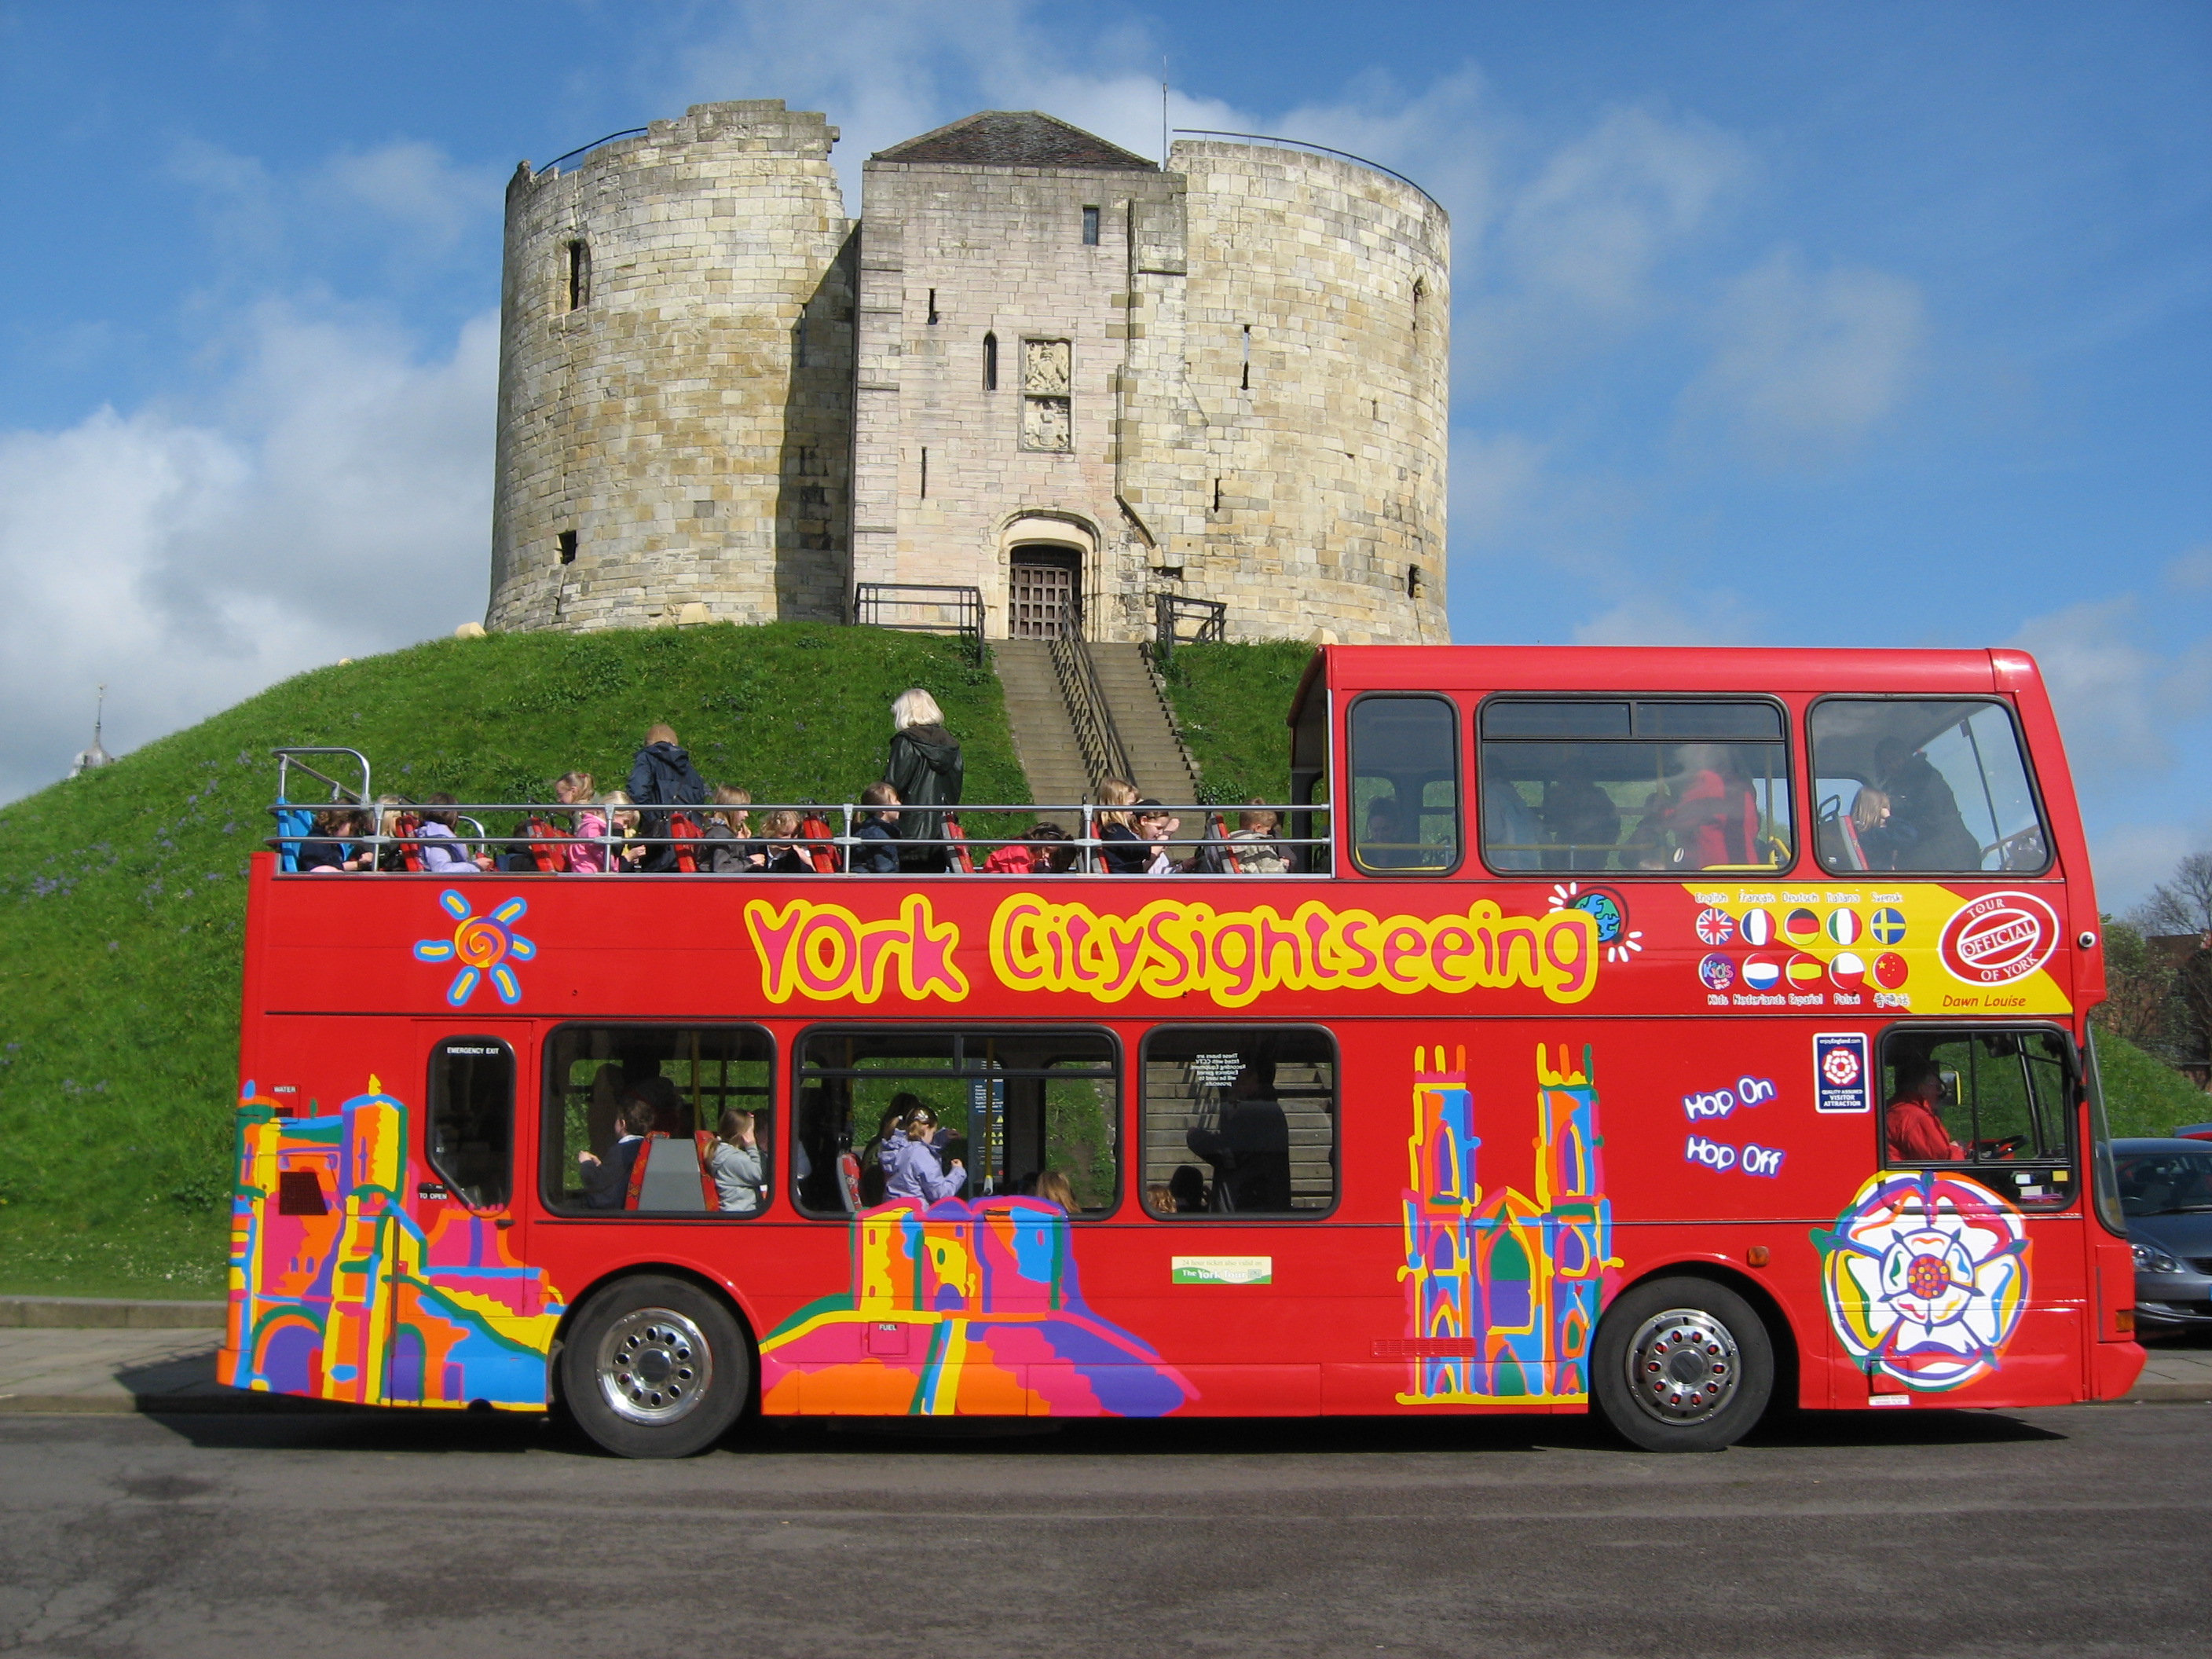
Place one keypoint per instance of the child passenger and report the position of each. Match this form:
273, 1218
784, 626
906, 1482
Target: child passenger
1256, 854
735, 1164
628, 851
877, 853
911, 1168
443, 853
784, 854
582, 858
731, 850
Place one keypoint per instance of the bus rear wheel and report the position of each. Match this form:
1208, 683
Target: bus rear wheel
654, 1367
1682, 1365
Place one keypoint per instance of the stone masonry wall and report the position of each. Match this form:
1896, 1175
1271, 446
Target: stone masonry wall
1299, 477
1001, 251
690, 420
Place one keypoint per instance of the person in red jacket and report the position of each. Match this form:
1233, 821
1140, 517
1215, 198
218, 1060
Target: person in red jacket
1916, 1134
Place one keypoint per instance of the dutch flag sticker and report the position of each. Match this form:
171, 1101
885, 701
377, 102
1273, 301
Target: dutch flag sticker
1844, 926
1757, 927
1761, 973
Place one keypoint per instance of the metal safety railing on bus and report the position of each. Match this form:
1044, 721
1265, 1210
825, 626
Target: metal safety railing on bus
541, 830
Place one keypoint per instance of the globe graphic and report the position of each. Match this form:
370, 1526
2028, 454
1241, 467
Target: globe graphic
1605, 909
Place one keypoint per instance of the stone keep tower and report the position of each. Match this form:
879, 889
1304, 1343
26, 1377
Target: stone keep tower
1047, 367
675, 379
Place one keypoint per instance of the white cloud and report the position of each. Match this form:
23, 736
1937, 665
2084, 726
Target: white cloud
1719, 618
415, 186
1808, 362
2118, 699
340, 505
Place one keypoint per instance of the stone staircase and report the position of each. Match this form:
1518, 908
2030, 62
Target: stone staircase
1044, 736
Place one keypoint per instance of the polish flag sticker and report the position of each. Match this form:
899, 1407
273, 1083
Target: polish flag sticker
1844, 926
1890, 970
1762, 973
1758, 927
1848, 971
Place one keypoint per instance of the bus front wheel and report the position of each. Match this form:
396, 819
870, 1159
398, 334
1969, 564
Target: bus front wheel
654, 1367
1682, 1365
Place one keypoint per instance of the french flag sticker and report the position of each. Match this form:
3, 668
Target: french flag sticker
1757, 927
1761, 973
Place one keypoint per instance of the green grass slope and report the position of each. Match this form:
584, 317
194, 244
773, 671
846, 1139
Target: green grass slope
122, 895
2143, 1095
1230, 702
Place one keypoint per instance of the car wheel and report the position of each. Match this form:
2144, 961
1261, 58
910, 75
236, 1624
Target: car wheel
654, 1367
1682, 1365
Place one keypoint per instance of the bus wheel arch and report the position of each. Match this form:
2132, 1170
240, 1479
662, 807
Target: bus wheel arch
1690, 1357
654, 1360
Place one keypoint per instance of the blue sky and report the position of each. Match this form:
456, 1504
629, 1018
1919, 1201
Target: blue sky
1791, 324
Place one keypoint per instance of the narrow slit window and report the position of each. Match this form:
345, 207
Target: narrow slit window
1090, 227
1420, 293
933, 307
579, 264
1413, 581
566, 542
990, 363
1217, 494
925, 475
1244, 382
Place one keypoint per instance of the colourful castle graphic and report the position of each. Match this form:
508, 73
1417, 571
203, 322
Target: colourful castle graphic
338, 1293
1502, 1292
963, 1308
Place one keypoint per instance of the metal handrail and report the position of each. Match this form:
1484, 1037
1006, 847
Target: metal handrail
1104, 755
1171, 610
288, 762
870, 599
1089, 845
1300, 143
554, 166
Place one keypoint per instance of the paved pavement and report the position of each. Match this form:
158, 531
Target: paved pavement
2079, 1533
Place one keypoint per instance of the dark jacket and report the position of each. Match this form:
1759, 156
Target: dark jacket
1125, 851
606, 1183
663, 775
880, 857
925, 769
1926, 830
727, 854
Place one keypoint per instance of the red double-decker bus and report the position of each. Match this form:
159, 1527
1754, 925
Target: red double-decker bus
1668, 1033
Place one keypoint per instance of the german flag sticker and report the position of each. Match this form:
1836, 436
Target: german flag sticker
1801, 927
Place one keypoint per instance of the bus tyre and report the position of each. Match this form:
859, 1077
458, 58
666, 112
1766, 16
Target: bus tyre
1682, 1365
654, 1367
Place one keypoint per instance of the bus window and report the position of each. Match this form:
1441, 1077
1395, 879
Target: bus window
2001, 1100
1933, 787
1405, 784
1627, 785
1239, 1120
643, 1119
1310, 784
470, 1136
1011, 1108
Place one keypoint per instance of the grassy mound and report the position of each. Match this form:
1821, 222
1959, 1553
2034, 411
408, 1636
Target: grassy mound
1230, 701
122, 899
2143, 1095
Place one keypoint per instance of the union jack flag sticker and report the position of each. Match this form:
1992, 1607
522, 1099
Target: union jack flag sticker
1715, 926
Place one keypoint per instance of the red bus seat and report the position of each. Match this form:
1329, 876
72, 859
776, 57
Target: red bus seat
686, 829
958, 837
814, 843
703, 1139
849, 1182
545, 847
666, 1176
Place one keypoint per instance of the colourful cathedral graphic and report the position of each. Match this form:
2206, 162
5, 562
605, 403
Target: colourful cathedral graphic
338, 1293
1502, 1291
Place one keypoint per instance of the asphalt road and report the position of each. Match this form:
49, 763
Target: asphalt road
2080, 1532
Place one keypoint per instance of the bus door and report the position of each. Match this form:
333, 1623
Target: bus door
1971, 1235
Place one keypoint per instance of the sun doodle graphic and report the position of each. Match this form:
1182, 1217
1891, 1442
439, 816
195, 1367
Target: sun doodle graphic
483, 946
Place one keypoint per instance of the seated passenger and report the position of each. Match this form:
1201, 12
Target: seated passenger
735, 1164
1250, 1152
878, 852
782, 853
443, 853
333, 850
1155, 826
603, 1113
1187, 1186
1159, 1197
1580, 821
625, 851
1713, 817
1124, 852
672, 1112
582, 858
1512, 835
606, 1180
1870, 830
731, 850
1916, 1134
1389, 843
911, 1167
1254, 853
1054, 1188
873, 1172
1926, 831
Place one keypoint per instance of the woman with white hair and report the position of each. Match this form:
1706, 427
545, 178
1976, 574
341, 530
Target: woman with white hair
925, 769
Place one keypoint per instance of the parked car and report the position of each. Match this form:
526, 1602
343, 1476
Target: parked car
2195, 1132
2165, 1191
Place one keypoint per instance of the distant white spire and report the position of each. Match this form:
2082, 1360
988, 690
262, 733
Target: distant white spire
91, 759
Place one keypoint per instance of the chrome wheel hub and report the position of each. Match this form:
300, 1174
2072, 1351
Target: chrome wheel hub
1683, 1366
654, 1365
